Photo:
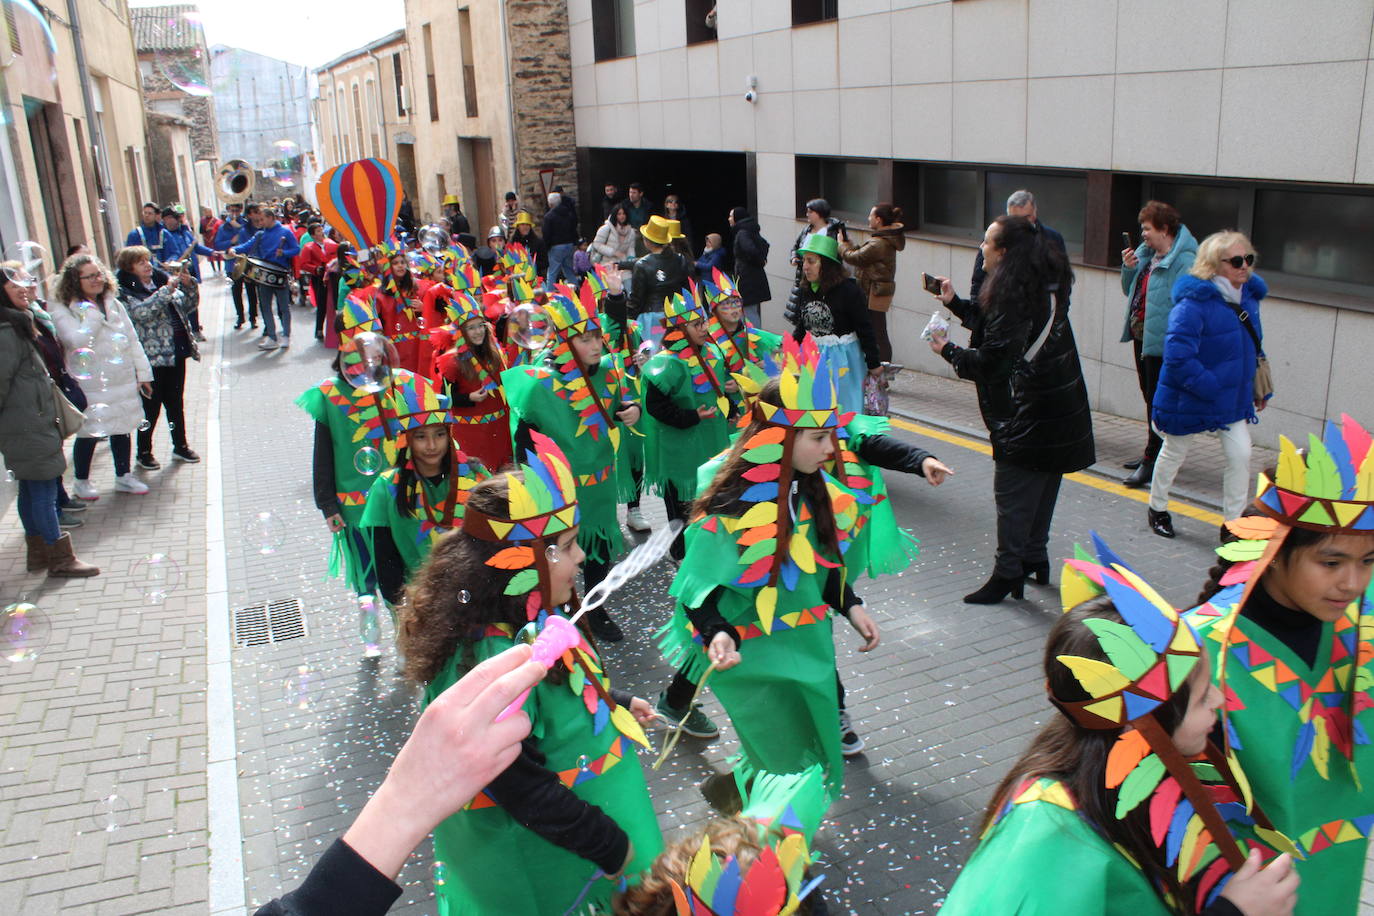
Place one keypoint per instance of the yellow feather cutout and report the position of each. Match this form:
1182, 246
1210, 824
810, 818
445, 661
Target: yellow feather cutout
1292, 471
1364, 479
1097, 677
767, 605
802, 553
701, 864
522, 505
626, 723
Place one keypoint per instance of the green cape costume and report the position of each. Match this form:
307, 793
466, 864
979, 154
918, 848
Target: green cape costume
672, 455
493, 864
432, 513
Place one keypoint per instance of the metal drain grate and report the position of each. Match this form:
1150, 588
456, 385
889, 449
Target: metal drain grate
274, 621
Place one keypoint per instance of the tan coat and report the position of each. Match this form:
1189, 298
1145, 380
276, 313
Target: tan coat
875, 263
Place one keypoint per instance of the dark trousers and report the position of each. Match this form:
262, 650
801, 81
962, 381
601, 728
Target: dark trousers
169, 387
236, 290
1025, 508
1147, 370
321, 303
676, 508
879, 321
84, 450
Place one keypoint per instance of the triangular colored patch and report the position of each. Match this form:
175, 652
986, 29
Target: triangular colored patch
1316, 514
501, 529
1107, 709
1347, 512
1348, 832
1258, 656
1282, 673
1153, 684
1266, 677
536, 526
1137, 706
1291, 503
1179, 667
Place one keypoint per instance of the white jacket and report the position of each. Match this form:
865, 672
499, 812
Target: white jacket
118, 364
610, 245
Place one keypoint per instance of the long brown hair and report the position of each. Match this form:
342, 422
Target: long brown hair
488, 353
723, 495
1077, 756
1028, 268
69, 283
434, 619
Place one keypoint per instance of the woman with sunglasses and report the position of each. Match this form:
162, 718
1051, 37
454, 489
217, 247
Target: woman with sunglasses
1207, 382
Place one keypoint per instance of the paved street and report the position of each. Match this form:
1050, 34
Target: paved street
120, 793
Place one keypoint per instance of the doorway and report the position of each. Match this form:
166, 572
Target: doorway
479, 182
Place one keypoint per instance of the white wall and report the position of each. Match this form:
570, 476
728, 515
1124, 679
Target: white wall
1228, 88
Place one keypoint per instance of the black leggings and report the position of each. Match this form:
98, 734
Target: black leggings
84, 450
169, 387
879, 321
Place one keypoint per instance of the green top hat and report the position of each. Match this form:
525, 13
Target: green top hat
819, 243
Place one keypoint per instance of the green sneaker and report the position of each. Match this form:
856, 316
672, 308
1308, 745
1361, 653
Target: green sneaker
698, 724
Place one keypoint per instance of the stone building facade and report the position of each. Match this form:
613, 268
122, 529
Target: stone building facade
174, 63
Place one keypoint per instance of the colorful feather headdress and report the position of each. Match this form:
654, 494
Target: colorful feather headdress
418, 402
518, 262
462, 274
1329, 489
542, 505
807, 387
571, 314
1149, 656
682, 307
720, 288
771, 886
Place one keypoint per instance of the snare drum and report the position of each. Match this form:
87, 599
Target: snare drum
266, 273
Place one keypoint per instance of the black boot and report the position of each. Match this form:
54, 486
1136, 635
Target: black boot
997, 588
1040, 572
1140, 477
1132, 464
604, 627
1161, 523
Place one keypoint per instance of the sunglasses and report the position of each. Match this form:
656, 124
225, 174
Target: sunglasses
1238, 262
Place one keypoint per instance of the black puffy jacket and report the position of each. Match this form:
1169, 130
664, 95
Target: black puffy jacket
1036, 411
840, 310
751, 255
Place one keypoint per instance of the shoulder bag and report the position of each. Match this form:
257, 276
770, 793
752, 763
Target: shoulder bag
1264, 379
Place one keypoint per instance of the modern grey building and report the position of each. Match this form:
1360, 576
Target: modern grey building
263, 117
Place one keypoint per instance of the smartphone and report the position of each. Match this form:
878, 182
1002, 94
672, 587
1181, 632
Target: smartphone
932, 284
1126, 240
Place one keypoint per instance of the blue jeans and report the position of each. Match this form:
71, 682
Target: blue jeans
282, 295
38, 508
561, 262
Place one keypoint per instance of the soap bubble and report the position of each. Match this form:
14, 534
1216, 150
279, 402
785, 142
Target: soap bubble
368, 461
99, 417
81, 363
144, 425
366, 362
531, 327
300, 688
285, 164
438, 873
24, 631
111, 812
156, 575
265, 533
551, 553
584, 762
464, 596
29, 256
186, 69
119, 342
39, 46
433, 238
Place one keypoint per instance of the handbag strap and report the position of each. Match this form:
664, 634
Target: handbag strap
1244, 317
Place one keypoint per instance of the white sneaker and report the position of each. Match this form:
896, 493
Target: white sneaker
267, 343
130, 484
286, 341
634, 520
85, 490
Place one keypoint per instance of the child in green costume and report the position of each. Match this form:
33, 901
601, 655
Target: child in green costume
1121, 806
556, 830
765, 565
688, 398
356, 432
420, 498
1287, 619
739, 341
578, 397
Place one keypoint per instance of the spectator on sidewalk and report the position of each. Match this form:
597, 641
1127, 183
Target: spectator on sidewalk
1148, 285
673, 209
509, 211
638, 207
209, 226
182, 247
750, 249
614, 242
277, 245
157, 303
1019, 203
150, 234
1041, 426
610, 197
453, 212
236, 229
89, 317
1207, 380
30, 440
818, 222
560, 235
712, 256
875, 263
525, 235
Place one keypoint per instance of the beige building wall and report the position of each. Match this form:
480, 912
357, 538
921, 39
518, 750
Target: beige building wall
1255, 90
74, 217
371, 71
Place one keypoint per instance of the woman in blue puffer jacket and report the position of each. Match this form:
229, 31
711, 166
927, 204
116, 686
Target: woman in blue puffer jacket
1207, 383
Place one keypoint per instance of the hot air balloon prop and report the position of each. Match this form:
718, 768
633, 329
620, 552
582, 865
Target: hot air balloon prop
362, 199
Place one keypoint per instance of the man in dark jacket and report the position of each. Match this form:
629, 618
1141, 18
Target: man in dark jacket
659, 274
751, 256
453, 212
1019, 203
277, 245
236, 229
560, 235
610, 196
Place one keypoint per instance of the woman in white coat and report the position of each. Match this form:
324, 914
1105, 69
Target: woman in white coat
615, 242
104, 353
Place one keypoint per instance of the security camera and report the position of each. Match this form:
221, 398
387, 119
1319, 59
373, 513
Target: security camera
751, 96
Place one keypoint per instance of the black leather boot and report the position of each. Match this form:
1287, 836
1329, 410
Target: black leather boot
1161, 523
997, 588
1140, 477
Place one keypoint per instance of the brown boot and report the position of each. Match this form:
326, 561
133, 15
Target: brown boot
38, 551
63, 564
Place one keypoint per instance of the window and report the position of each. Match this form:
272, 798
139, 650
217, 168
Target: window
701, 21
358, 121
1060, 200
12, 26
469, 68
1314, 234
949, 201
1205, 208
850, 186
805, 11
399, 73
613, 28
374, 122
430, 84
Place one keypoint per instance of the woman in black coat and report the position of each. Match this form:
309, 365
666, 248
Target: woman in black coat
751, 254
1024, 361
